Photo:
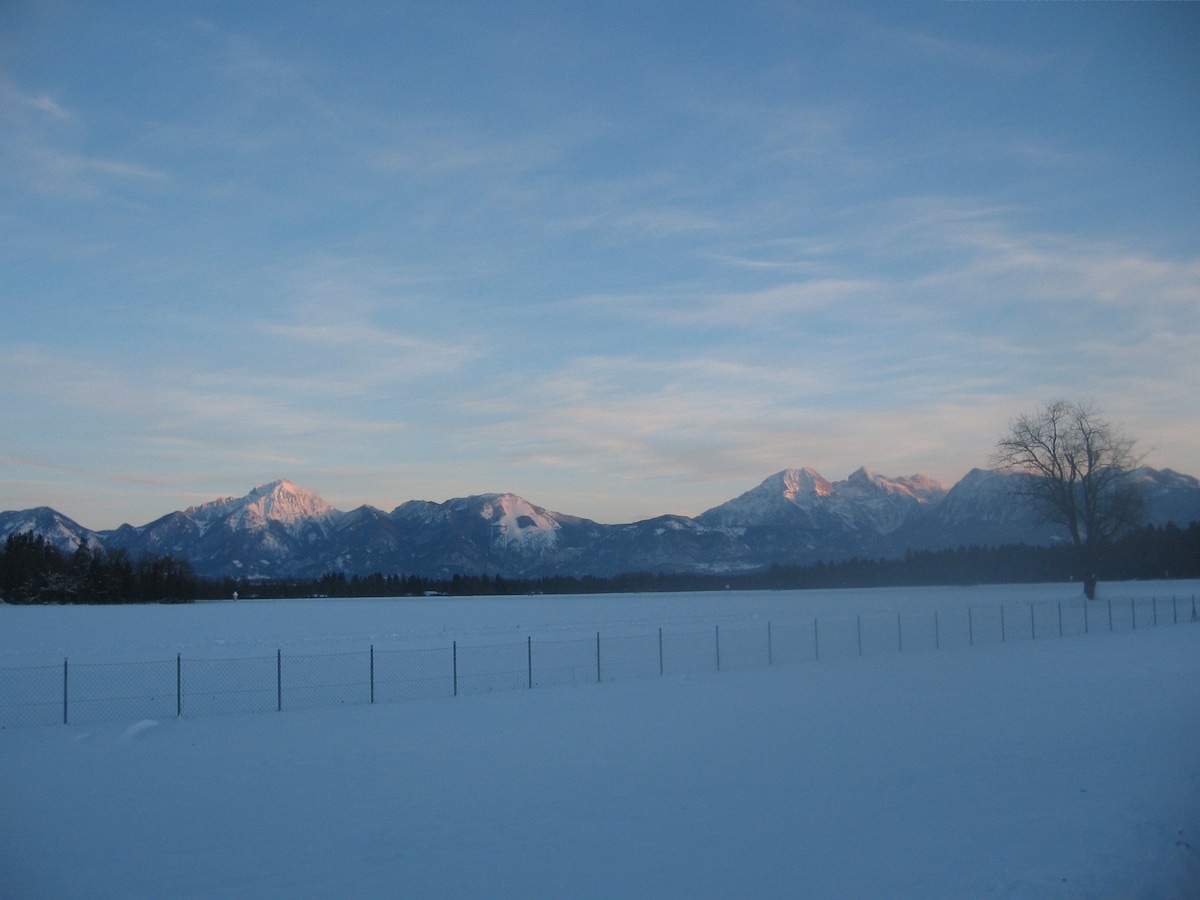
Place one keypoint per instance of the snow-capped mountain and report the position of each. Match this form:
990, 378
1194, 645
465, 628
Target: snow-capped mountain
794, 517
981, 509
500, 533
277, 527
61, 532
1169, 495
797, 516
864, 500
294, 508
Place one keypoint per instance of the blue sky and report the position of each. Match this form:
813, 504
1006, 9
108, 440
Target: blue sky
620, 258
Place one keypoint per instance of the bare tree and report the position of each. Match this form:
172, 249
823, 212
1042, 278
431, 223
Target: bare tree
1074, 469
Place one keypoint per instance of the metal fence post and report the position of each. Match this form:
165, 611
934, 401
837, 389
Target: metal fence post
454, 664
1032, 624
1154, 607
178, 684
660, 653
278, 680
858, 630
1133, 613
1110, 621
971, 626
597, 657
1086, 625
816, 642
1060, 618
718, 648
937, 632
529, 658
64, 690
1003, 631
372, 673
770, 651
899, 634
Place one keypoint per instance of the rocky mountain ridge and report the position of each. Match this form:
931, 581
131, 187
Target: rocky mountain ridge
794, 517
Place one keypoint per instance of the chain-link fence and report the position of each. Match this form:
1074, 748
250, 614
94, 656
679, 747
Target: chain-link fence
94, 692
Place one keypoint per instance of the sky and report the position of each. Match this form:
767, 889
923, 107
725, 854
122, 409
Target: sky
620, 258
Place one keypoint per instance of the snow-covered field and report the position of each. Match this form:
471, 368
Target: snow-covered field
1032, 768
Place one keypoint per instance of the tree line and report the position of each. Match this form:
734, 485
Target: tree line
1074, 469
34, 571
1148, 553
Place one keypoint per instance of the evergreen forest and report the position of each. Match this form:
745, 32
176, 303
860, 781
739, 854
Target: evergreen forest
34, 571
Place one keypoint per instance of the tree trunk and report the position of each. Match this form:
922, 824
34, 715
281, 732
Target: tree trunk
1089, 584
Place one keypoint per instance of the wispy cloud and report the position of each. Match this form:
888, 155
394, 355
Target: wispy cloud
41, 144
846, 237
939, 47
11, 96
933, 360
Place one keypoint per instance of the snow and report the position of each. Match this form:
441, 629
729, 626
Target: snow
1033, 768
516, 521
864, 499
279, 501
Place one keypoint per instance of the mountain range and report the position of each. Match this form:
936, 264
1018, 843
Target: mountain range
795, 517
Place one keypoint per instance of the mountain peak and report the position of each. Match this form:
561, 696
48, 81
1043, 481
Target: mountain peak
922, 488
798, 482
282, 501
279, 501
794, 517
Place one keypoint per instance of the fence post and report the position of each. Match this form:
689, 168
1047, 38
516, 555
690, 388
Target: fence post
770, 651
1086, 626
1110, 621
660, 653
1060, 618
971, 625
597, 657
372, 673
1154, 606
64, 690
1032, 624
1174, 611
278, 680
816, 642
718, 648
1133, 613
178, 684
454, 664
529, 657
937, 632
858, 629
1003, 632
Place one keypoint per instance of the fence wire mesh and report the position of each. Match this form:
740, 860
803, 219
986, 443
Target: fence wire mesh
412, 674
328, 679
629, 656
742, 648
94, 692
498, 667
220, 687
563, 662
104, 692
32, 695
791, 642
